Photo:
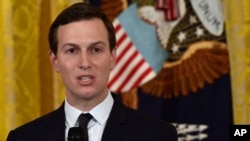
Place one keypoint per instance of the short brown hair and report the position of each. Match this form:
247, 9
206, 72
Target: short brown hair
77, 12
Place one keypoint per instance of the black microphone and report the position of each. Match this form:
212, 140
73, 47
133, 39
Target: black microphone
75, 134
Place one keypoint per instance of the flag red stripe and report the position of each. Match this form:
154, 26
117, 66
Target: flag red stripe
173, 10
121, 39
131, 78
119, 42
123, 68
171, 7
177, 10
124, 52
132, 72
161, 4
118, 27
145, 73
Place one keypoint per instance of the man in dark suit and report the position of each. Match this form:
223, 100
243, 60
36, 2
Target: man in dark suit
82, 49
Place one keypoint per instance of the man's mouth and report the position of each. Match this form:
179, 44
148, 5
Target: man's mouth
86, 78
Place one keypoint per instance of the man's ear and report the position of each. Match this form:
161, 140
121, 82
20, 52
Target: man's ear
53, 61
113, 58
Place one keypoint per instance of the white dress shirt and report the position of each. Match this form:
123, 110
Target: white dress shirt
96, 125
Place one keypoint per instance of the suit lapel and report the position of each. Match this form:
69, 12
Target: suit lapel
114, 128
56, 126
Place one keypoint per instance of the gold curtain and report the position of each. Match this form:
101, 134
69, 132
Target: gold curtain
28, 86
237, 16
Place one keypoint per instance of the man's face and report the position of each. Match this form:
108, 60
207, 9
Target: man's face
84, 59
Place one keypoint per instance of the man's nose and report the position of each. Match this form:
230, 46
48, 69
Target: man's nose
83, 62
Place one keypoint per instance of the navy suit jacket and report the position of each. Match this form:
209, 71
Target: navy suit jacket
124, 124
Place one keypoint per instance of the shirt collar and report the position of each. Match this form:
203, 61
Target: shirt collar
71, 114
100, 112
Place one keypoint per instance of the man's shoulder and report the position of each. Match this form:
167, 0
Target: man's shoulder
149, 125
40, 128
142, 117
135, 116
42, 121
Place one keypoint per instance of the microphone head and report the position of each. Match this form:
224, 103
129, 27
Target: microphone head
75, 134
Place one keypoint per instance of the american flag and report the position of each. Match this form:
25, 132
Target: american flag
170, 8
139, 54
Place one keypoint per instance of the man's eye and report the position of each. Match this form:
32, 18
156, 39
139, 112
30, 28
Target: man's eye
72, 50
96, 50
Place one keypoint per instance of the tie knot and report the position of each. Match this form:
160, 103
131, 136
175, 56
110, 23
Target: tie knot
84, 120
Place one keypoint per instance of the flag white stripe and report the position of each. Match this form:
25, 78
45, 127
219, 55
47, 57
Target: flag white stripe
126, 72
123, 46
119, 33
130, 66
123, 60
137, 75
115, 22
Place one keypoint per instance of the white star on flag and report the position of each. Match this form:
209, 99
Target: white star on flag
192, 19
199, 32
175, 48
182, 36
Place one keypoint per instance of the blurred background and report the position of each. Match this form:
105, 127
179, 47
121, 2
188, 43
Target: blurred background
196, 54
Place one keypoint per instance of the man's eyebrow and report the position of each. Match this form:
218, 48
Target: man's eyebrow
91, 44
98, 43
70, 44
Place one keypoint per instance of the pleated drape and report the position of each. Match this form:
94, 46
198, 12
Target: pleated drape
237, 16
29, 87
